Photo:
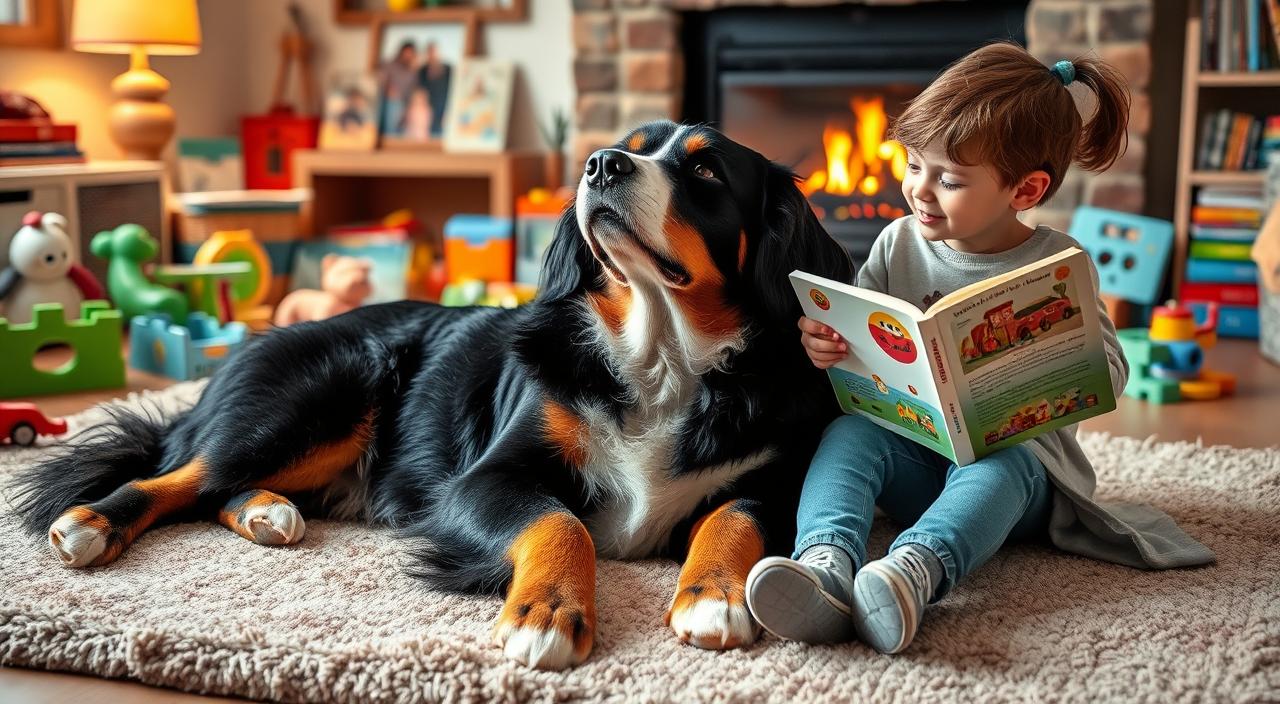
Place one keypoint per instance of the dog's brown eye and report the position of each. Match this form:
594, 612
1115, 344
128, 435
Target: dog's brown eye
703, 171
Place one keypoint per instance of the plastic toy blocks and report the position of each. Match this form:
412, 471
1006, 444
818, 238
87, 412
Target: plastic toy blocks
183, 352
96, 338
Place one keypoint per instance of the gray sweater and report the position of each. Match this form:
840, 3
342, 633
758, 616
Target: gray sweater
905, 265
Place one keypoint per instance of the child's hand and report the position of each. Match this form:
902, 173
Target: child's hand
824, 346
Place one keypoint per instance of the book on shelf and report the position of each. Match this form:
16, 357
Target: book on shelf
1224, 234
1233, 321
1222, 294
1229, 197
19, 149
1239, 35
1213, 271
41, 160
1244, 217
1233, 141
1224, 251
25, 130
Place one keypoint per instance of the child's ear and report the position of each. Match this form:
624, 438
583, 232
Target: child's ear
1029, 192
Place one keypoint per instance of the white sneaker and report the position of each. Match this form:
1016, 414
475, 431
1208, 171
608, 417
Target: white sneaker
805, 600
889, 596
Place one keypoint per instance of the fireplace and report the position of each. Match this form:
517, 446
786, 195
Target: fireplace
814, 88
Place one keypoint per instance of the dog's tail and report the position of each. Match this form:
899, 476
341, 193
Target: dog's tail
97, 462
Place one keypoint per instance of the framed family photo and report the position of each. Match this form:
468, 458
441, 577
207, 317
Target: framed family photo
480, 110
350, 113
416, 65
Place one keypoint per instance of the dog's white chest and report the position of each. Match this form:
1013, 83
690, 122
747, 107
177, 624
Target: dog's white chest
628, 471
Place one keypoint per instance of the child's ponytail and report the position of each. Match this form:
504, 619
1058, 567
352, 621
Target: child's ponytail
1105, 137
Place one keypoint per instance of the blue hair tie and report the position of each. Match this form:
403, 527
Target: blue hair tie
1065, 71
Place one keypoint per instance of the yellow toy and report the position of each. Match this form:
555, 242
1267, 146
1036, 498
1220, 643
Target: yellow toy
1167, 360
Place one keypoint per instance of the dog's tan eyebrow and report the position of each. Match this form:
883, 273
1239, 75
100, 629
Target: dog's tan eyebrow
694, 142
635, 141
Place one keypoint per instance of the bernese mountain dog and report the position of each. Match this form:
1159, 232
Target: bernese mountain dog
653, 400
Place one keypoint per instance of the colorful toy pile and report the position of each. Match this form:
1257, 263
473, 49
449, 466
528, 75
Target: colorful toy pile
1166, 362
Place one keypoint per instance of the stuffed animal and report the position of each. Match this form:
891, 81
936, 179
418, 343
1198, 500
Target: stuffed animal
125, 249
41, 271
345, 281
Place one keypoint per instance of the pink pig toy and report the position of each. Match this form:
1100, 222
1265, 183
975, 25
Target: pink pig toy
345, 281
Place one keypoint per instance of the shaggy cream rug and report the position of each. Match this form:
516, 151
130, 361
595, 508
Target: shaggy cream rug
198, 608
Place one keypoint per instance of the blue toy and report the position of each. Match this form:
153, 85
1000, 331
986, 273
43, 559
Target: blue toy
1130, 251
183, 352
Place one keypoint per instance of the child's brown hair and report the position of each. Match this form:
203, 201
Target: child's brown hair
1000, 106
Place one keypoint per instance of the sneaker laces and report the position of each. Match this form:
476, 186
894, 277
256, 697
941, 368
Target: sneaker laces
917, 571
824, 558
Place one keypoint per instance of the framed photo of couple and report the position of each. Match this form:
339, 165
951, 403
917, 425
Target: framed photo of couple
416, 66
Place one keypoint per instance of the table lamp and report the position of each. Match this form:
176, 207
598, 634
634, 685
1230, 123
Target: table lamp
141, 123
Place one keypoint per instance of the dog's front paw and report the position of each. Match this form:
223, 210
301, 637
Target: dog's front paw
547, 633
713, 615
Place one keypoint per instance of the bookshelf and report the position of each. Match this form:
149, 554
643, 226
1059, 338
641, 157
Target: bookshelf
1203, 91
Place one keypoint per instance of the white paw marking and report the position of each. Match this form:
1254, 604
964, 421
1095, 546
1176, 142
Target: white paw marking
275, 524
544, 649
75, 543
715, 624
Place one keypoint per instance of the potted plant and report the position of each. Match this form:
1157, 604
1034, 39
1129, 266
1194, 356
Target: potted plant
554, 135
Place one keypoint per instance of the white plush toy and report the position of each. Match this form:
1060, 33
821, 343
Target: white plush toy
41, 271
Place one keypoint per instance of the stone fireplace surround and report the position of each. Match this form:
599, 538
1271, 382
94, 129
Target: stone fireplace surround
628, 69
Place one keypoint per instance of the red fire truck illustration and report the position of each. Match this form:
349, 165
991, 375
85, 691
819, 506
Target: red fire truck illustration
1002, 326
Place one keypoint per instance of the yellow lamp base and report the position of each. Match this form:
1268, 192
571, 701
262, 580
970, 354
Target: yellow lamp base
140, 122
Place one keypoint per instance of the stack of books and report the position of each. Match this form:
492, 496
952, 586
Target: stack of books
37, 142
1239, 35
1224, 223
1234, 141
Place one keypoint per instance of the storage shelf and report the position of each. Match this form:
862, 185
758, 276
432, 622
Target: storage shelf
1226, 178
1240, 79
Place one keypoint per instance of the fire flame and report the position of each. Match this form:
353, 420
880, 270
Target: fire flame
859, 165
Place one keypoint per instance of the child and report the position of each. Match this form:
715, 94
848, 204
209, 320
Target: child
991, 137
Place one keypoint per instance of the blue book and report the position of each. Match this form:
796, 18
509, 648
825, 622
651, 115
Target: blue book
1252, 33
1233, 321
1205, 271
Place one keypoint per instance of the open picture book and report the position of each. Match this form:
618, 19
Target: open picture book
984, 368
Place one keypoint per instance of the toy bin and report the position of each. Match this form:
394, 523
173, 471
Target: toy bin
478, 247
182, 352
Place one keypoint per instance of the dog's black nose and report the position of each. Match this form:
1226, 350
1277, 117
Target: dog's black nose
608, 166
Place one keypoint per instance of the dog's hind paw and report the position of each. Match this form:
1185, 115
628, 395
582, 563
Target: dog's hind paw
547, 636
711, 621
80, 537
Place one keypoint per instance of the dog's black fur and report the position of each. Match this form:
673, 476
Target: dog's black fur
459, 457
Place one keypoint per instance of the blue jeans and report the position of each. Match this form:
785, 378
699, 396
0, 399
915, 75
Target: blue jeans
963, 514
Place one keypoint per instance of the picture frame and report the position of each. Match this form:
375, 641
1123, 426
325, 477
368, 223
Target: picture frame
350, 113
416, 64
480, 111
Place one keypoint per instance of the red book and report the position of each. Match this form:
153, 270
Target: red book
36, 131
1222, 294
41, 160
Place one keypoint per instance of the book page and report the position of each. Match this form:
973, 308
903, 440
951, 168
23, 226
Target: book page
1027, 354
887, 375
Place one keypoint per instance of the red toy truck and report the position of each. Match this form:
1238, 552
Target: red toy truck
20, 423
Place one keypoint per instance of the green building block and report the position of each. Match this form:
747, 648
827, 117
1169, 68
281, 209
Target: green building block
95, 338
1140, 350
1143, 386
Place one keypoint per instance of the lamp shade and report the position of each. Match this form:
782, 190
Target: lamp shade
119, 26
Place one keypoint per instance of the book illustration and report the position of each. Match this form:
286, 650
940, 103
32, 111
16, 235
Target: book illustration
1039, 312
892, 337
1020, 419
876, 398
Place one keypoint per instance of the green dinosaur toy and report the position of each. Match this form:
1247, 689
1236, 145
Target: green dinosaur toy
126, 248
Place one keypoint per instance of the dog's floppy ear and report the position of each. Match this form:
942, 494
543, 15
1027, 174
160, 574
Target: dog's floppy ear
791, 238
568, 264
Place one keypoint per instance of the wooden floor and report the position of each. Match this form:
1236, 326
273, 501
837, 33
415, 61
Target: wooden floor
1247, 419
